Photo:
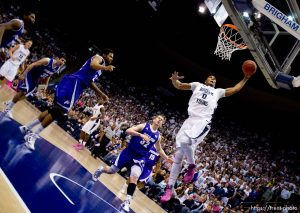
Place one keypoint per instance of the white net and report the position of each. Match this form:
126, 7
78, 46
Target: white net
229, 40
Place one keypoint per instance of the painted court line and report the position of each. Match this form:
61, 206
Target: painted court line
52, 175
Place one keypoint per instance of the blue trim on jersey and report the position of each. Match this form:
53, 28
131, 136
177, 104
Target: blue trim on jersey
207, 127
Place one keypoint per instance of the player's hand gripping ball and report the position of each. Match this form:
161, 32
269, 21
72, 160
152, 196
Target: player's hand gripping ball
249, 68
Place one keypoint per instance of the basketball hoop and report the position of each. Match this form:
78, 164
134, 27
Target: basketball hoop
229, 40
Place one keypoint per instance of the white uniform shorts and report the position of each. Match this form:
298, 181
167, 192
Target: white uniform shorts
9, 70
87, 127
192, 131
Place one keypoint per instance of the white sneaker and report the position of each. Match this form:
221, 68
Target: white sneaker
97, 173
125, 206
30, 140
24, 130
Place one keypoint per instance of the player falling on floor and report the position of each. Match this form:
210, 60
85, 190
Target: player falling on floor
143, 137
68, 92
43, 68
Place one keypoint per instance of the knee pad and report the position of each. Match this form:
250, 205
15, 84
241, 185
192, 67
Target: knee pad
135, 171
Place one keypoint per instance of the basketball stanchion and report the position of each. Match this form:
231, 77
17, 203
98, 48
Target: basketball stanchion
229, 40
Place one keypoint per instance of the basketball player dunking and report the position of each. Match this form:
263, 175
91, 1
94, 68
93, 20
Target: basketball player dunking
202, 105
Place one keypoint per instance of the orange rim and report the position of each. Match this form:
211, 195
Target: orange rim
240, 46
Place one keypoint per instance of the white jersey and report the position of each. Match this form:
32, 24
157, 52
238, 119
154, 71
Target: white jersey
204, 100
96, 110
20, 55
92, 125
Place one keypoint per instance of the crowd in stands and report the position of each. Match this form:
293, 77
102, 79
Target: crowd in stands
234, 171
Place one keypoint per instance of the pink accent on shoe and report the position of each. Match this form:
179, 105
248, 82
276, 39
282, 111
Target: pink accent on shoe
189, 175
78, 147
167, 196
9, 83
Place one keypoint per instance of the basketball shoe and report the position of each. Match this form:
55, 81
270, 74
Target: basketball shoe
97, 173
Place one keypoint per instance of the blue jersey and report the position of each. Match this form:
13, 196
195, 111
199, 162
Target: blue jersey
140, 146
152, 158
86, 74
150, 161
10, 35
44, 71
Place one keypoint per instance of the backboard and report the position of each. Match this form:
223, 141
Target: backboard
272, 33
218, 11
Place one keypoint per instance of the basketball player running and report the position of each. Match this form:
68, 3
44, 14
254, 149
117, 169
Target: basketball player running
143, 137
43, 68
202, 105
68, 92
10, 30
18, 55
91, 125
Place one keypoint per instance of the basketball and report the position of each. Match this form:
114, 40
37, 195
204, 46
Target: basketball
249, 68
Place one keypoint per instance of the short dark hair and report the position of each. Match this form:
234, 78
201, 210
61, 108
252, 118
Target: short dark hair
61, 55
107, 51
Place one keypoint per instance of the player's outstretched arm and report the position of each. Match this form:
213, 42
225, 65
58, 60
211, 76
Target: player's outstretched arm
232, 90
161, 151
99, 92
41, 62
249, 69
178, 84
157, 166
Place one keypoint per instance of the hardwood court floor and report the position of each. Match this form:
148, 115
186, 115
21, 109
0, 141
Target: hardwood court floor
23, 113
